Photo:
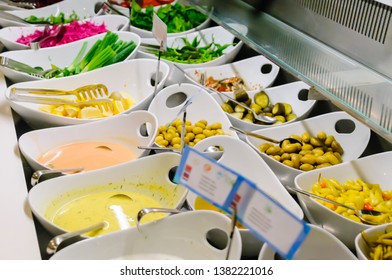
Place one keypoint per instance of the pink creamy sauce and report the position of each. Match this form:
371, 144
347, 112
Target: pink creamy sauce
89, 155
74, 31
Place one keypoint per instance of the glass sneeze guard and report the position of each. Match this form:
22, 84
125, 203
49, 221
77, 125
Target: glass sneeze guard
349, 84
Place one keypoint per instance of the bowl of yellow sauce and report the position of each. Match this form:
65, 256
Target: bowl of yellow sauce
75, 202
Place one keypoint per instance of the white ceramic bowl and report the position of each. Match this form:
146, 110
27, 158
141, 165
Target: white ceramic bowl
84, 9
180, 236
4, 6
346, 130
361, 247
136, 176
240, 157
257, 72
169, 101
9, 35
318, 245
287, 93
61, 56
375, 169
148, 34
36, 142
216, 33
131, 76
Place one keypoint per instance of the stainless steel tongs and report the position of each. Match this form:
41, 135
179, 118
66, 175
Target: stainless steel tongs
21, 67
89, 95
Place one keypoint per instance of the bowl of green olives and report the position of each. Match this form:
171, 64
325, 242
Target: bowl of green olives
203, 117
326, 140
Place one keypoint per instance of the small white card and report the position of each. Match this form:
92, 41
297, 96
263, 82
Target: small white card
159, 30
261, 214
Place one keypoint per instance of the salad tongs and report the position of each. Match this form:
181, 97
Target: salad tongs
21, 67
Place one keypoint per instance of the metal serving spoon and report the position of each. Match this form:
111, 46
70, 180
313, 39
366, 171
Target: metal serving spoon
214, 151
55, 242
280, 142
35, 177
359, 213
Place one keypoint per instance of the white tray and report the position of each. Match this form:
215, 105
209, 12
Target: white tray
132, 76
238, 156
375, 169
36, 142
167, 104
84, 9
318, 245
130, 176
250, 70
61, 56
216, 33
181, 236
287, 93
353, 143
9, 35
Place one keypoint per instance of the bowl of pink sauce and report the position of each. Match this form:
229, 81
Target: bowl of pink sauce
90, 146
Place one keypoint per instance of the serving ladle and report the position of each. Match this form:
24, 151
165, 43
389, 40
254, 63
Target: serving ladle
280, 142
359, 213
55, 242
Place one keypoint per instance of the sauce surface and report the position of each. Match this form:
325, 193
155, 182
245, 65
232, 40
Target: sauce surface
202, 204
119, 212
89, 155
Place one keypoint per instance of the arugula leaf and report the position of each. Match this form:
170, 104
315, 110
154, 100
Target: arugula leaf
177, 17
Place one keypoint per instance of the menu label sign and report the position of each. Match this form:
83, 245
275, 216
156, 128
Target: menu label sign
260, 213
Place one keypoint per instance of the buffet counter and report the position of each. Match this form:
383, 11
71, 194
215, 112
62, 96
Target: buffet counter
18, 234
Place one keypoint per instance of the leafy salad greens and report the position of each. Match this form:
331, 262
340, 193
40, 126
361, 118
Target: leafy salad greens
52, 19
191, 53
177, 17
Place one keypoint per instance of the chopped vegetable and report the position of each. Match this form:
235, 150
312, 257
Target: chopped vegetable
226, 84
104, 52
74, 31
177, 17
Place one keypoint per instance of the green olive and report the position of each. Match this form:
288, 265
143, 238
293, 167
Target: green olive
323, 165
295, 158
321, 135
290, 148
274, 150
337, 147
308, 158
306, 167
328, 141
316, 142
264, 146
305, 137
288, 163
332, 159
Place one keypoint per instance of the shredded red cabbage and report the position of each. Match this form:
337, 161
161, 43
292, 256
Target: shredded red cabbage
74, 31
